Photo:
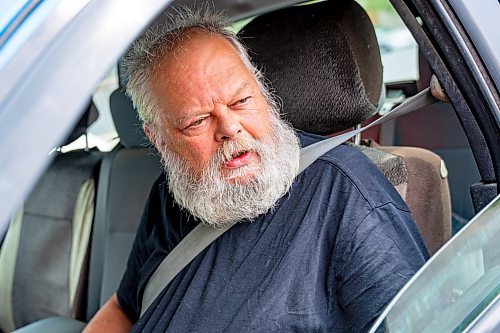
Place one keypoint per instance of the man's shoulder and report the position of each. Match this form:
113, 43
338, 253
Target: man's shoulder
355, 169
344, 156
352, 161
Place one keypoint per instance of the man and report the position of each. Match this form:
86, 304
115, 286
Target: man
324, 250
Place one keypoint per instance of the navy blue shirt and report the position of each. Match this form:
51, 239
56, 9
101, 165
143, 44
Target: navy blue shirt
328, 258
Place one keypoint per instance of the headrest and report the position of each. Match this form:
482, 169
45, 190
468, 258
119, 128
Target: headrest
88, 117
323, 61
126, 121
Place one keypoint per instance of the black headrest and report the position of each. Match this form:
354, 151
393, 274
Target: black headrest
323, 61
88, 117
126, 121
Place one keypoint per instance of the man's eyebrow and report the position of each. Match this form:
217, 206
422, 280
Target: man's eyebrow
190, 115
242, 87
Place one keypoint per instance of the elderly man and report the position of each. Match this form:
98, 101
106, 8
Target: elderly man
324, 250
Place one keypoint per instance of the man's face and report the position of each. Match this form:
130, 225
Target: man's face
207, 96
228, 156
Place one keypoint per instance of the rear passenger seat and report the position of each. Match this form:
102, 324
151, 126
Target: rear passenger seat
125, 178
44, 258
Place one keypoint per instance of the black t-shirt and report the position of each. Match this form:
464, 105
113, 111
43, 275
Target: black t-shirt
328, 258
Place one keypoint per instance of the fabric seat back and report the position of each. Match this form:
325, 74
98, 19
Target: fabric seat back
324, 63
43, 259
126, 177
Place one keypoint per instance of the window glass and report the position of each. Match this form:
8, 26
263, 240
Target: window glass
18, 21
456, 285
398, 49
104, 128
10, 10
102, 133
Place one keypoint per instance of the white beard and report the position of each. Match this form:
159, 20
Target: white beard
210, 197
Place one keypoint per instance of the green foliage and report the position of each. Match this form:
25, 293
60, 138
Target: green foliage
381, 13
376, 5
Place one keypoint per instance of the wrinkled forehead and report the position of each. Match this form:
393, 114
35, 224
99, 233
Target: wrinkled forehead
195, 42
200, 56
204, 66
199, 53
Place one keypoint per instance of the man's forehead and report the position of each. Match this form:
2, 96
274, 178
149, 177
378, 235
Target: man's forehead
209, 80
204, 58
201, 53
205, 70
199, 42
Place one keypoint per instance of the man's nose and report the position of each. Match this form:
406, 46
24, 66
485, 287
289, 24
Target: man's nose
228, 126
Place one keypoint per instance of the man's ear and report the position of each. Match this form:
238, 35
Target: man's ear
150, 133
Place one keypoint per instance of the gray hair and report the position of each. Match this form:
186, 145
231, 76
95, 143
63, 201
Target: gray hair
149, 51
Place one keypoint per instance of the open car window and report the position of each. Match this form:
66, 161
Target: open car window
398, 48
53, 76
455, 286
102, 133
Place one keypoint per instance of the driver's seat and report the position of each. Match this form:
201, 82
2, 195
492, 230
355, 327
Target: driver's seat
323, 60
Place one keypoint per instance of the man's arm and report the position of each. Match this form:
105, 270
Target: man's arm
110, 318
383, 253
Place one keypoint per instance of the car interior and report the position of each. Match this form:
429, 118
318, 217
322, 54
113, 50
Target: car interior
66, 249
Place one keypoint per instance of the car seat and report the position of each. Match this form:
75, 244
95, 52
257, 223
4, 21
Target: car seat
43, 260
324, 63
126, 177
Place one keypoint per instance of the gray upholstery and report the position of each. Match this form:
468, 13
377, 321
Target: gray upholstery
127, 123
126, 177
392, 166
329, 42
40, 286
45, 261
54, 325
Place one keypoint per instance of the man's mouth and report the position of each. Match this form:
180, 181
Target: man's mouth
239, 159
238, 154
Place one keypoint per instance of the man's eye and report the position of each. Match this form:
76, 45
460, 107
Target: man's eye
242, 101
197, 122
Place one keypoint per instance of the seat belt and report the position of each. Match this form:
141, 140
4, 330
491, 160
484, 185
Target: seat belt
202, 235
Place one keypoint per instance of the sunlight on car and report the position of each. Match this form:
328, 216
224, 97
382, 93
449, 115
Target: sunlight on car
101, 134
13, 34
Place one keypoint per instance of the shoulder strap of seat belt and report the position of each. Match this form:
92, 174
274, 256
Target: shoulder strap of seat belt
202, 235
